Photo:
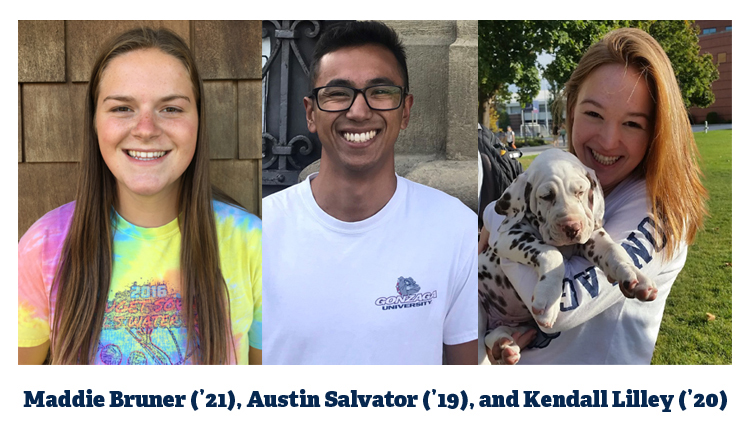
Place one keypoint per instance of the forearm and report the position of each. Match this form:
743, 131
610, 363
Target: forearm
461, 354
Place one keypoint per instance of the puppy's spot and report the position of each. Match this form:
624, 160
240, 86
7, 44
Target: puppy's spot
527, 192
502, 206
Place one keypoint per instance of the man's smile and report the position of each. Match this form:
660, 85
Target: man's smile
361, 137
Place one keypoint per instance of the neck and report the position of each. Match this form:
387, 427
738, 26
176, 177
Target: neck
148, 211
355, 195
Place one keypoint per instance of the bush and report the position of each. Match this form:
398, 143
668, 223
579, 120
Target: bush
530, 142
713, 117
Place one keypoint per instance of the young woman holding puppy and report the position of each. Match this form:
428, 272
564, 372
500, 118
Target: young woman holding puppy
149, 265
628, 123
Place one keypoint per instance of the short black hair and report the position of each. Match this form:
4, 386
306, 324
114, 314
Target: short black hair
359, 33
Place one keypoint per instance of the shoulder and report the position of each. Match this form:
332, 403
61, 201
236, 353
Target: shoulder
433, 209
233, 217
42, 244
290, 197
436, 202
53, 225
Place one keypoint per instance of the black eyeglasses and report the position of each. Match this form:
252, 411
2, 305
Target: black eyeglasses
341, 98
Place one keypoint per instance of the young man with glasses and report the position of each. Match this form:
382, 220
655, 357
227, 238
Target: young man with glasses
362, 266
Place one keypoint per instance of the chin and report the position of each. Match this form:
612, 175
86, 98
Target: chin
146, 189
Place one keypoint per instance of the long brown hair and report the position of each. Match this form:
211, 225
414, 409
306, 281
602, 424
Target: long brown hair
670, 165
85, 270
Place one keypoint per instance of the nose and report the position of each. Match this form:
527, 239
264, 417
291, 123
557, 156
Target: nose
147, 126
610, 135
571, 229
359, 109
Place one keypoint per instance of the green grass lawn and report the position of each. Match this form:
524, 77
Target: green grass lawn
526, 160
704, 286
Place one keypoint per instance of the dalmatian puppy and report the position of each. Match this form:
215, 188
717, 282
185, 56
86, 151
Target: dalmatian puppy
553, 211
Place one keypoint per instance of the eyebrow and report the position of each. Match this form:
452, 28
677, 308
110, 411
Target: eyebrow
125, 98
597, 104
371, 82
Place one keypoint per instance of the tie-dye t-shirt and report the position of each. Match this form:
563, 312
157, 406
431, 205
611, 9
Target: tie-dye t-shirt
143, 322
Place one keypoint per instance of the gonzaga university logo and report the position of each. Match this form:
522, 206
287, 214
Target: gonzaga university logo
408, 296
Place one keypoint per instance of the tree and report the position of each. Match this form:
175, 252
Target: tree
571, 39
695, 73
507, 55
516, 44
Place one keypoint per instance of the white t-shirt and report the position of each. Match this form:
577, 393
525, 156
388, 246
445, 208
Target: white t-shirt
597, 324
390, 289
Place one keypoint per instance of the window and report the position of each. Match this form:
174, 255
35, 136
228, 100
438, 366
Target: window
709, 30
729, 28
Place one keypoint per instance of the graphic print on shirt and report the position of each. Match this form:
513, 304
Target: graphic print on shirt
408, 296
143, 325
142, 322
638, 247
588, 280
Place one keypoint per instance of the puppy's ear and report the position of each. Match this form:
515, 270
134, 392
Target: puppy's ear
596, 199
514, 201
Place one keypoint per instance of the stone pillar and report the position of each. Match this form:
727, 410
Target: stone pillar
442, 60
462, 93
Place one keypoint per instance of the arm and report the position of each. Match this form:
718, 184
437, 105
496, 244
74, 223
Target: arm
461, 354
255, 357
586, 290
33, 355
36, 269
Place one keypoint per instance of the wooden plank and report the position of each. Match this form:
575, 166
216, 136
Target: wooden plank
228, 49
221, 118
43, 187
41, 51
86, 38
240, 179
250, 118
20, 127
53, 121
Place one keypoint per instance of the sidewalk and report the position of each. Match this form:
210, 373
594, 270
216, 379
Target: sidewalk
714, 127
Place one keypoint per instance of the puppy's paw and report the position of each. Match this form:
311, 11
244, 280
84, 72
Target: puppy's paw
545, 304
502, 346
635, 284
645, 290
509, 351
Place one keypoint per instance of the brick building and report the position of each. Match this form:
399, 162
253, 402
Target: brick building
716, 38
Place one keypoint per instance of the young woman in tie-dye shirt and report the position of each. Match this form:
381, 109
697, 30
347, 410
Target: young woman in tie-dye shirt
150, 264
